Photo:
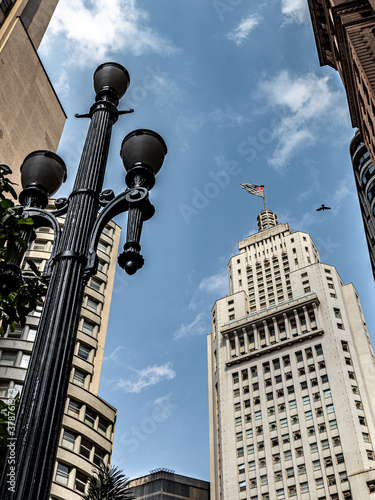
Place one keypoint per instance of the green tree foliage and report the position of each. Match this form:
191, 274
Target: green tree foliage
108, 483
14, 307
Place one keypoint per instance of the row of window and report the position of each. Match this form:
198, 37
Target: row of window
89, 417
82, 446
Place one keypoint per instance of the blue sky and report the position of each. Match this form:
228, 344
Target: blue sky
235, 89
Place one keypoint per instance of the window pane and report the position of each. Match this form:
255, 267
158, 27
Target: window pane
90, 417
83, 352
79, 378
92, 305
103, 426
8, 358
68, 440
81, 481
88, 328
85, 448
100, 454
62, 474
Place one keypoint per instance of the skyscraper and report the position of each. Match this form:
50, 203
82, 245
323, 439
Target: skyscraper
31, 115
291, 375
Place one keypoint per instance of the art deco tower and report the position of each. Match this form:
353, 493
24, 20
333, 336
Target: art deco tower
291, 376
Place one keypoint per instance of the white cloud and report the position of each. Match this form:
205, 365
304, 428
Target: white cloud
91, 30
62, 86
217, 283
295, 10
227, 117
241, 33
307, 102
147, 377
196, 327
114, 354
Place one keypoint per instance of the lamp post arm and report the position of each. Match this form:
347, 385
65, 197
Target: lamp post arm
134, 198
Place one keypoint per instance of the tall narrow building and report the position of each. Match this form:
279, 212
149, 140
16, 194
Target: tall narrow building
291, 376
87, 432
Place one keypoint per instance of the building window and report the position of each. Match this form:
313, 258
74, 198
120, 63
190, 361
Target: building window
81, 481
366, 437
325, 444
68, 440
333, 424
288, 455
242, 486
239, 452
85, 449
92, 305
330, 408
304, 487
252, 465
316, 465
62, 474
88, 328
74, 408
100, 454
79, 378
8, 358
283, 422
314, 447
95, 284
103, 426
83, 352
280, 494
90, 417
250, 449
319, 483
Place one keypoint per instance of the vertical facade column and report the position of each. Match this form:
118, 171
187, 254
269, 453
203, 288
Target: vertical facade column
315, 308
246, 339
256, 338
287, 325
266, 332
276, 327
297, 321
237, 342
307, 318
227, 347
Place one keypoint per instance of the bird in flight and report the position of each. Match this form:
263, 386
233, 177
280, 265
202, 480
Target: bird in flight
323, 207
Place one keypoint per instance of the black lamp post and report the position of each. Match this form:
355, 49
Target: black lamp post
73, 261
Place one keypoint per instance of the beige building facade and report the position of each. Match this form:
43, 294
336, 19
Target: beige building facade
31, 115
291, 377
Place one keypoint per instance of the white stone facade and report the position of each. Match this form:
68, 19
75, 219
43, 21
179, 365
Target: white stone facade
291, 378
